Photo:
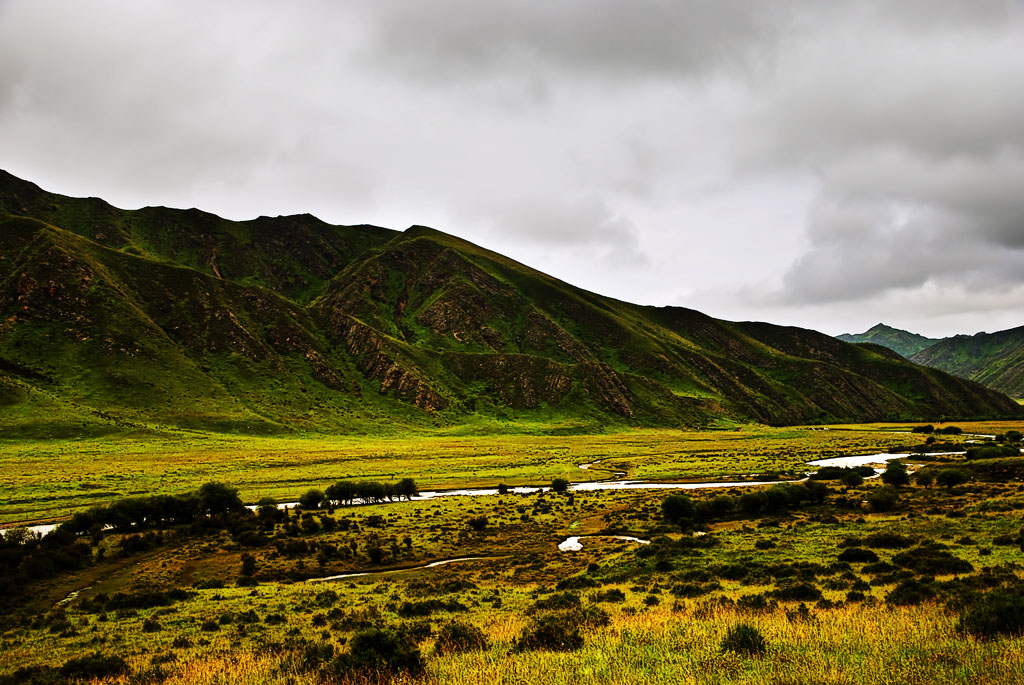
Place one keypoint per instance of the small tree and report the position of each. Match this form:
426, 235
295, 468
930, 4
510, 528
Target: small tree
311, 499
677, 508
560, 485
407, 488
924, 479
217, 498
248, 565
502, 489
950, 477
852, 479
883, 498
895, 474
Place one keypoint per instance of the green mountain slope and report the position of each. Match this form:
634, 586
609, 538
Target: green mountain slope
902, 342
179, 318
993, 359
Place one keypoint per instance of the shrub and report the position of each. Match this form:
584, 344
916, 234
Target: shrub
991, 452
888, 541
378, 654
950, 477
457, 637
910, 591
852, 479
676, 508
858, 555
949, 430
744, 639
895, 474
797, 592
560, 485
614, 595
477, 522
883, 498
932, 560
924, 479
1000, 612
93, 666
923, 429
550, 632
311, 499
558, 601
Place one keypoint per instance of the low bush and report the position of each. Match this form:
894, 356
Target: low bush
377, 655
744, 639
909, 592
458, 637
858, 555
932, 560
1000, 612
549, 632
797, 592
94, 666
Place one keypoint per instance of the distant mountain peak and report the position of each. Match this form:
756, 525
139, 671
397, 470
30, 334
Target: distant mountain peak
898, 340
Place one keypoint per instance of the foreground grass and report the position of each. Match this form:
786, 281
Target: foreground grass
854, 644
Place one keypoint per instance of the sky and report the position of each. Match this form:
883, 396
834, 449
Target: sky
829, 165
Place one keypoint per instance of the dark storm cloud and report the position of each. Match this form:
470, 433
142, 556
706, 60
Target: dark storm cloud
755, 159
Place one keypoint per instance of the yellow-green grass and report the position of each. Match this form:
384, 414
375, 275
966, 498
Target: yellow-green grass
50, 479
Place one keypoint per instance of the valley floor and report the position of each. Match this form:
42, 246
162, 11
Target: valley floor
840, 588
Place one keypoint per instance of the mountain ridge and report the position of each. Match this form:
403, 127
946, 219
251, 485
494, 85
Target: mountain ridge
178, 317
900, 341
995, 360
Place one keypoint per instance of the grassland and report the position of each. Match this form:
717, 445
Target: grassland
103, 469
653, 613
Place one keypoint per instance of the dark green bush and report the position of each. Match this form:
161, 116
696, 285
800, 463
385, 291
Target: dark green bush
558, 601
883, 498
93, 666
550, 632
909, 592
744, 639
677, 508
950, 478
797, 592
1000, 612
932, 559
858, 555
457, 637
614, 595
887, 541
378, 654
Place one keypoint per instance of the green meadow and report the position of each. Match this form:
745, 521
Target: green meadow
802, 585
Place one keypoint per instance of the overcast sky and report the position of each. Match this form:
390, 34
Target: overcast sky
821, 164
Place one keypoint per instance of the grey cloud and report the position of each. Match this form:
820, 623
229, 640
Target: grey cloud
789, 153
625, 38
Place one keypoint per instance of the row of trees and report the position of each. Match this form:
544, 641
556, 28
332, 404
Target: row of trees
680, 509
365, 492
134, 513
